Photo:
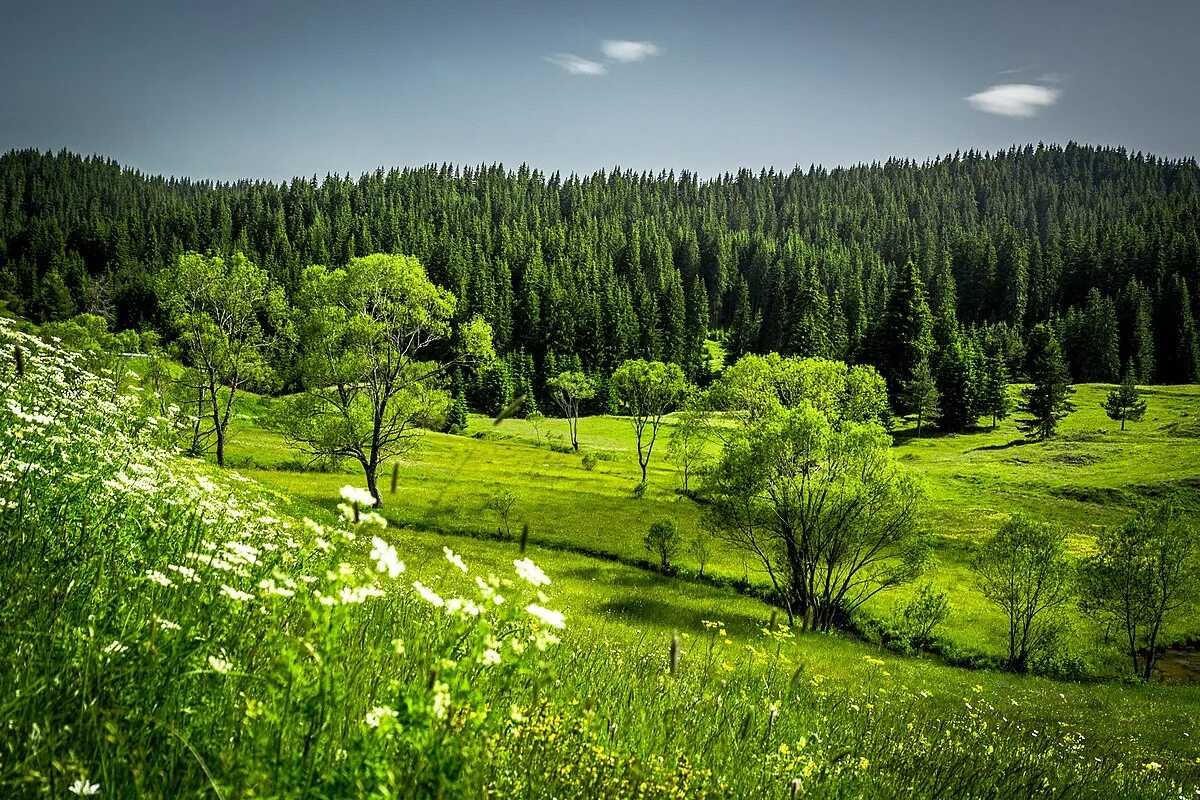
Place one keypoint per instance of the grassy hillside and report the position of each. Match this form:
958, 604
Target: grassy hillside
173, 630
1090, 476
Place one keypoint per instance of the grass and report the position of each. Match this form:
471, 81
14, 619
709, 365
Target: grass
174, 630
1090, 476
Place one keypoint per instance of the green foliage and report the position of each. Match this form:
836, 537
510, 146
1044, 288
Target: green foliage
960, 383
230, 319
1024, 571
364, 331
921, 395
822, 506
905, 334
1144, 572
759, 385
646, 391
1125, 403
922, 615
570, 390
995, 397
1048, 400
590, 460
664, 542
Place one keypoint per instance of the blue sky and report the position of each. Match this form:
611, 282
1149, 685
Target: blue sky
275, 89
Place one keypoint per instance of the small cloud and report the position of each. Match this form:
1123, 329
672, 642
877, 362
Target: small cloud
576, 65
625, 51
1015, 99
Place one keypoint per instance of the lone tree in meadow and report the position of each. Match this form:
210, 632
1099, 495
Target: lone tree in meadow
647, 391
821, 504
921, 395
664, 542
1048, 400
1024, 571
687, 447
1125, 403
569, 390
1145, 570
230, 319
374, 358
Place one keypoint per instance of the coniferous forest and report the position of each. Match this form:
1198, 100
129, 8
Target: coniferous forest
960, 256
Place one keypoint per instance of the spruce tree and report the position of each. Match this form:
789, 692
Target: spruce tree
1125, 403
995, 398
1048, 399
905, 336
921, 395
959, 382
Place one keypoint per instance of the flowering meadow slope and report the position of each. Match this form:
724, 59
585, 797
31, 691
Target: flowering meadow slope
168, 630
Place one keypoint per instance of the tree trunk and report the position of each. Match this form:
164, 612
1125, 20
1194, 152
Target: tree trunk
220, 445
372, 471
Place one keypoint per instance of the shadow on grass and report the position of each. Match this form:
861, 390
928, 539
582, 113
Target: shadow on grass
660, 612
1005, 446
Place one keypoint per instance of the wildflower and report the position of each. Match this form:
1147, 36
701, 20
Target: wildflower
441, 699
159, 578
235, 594
386, 558
876, 662
454, 559
167, 624
115, 647
530, 572
83, 788
356, 496
1152, 766
219, 664
546, 615
270, 587
372, 518
462, 607
378, 714
489, 657
429, 595
352, 595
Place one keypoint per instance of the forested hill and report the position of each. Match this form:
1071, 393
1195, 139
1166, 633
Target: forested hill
588, 271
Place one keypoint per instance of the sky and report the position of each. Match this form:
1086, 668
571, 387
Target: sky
263, 89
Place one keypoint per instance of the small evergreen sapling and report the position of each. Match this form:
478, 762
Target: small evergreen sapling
1125, 403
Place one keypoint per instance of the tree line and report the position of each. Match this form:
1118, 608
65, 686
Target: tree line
581, 273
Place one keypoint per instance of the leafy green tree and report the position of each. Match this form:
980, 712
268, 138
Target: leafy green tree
1048, 399
647, 391
757, 385
1144, 572
230, 319
921, 395
996, 398
822, 506
368, 336
1024, 571
687, 446
1125, 403
570, 390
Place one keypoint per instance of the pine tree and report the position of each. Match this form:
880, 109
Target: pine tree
745, 325
1125, 403
1178, 348
905, 336
921, 395
959, 383
995, 398
1048, 400
1137, 339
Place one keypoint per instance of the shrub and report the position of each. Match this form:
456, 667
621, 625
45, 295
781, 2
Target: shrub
927, 609
590, 460
663, 542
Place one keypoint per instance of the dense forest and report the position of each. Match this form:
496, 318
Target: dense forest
582, 273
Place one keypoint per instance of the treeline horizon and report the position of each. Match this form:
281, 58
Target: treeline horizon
582, 273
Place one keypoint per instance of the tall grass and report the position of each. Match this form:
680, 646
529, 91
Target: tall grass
170, 631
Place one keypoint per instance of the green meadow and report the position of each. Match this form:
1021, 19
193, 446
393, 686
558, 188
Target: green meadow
1091, 475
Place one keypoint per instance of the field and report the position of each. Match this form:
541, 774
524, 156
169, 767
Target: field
177, 630
1090, 476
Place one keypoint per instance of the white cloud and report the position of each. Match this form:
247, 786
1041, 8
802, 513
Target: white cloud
1015, 99
576, 65
625, 51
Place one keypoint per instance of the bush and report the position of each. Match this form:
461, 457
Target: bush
589, 461
663, 542
927, 609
